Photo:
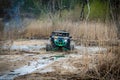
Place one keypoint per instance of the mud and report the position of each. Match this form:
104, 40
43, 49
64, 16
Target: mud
28, 57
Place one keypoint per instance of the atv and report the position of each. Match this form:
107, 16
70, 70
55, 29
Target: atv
60, 40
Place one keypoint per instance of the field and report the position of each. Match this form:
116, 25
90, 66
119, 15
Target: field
27, 59
96, 54
25, 34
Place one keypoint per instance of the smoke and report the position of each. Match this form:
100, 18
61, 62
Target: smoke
12, 18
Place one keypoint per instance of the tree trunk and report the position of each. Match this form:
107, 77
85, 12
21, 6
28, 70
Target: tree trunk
1, 34
115, 6
82, 12
84, 2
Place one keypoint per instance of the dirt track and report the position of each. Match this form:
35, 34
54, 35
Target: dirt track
29, 57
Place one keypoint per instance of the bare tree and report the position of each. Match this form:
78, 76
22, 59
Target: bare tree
115, 13
1, 33
84, 2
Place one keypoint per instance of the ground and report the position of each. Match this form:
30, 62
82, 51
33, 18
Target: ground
27, 59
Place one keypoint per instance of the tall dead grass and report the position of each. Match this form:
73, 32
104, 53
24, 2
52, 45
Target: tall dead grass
107, 68
78, 30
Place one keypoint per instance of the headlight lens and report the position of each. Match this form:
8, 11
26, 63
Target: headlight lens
65, 40
55, 39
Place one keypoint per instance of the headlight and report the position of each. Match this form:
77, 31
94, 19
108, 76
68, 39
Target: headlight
65, 40
55, 39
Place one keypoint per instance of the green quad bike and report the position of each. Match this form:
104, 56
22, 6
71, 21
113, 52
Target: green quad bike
60, 40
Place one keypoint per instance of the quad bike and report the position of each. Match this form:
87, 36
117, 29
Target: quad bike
60, 40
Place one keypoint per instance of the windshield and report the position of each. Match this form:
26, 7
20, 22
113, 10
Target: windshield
60, 34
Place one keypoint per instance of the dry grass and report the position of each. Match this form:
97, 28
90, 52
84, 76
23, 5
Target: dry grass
87, 33
107, 68
104, 67
82, 30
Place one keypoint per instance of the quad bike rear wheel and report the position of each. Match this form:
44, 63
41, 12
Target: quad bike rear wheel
72, 47
48, 47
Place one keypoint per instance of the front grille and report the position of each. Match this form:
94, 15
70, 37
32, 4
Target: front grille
60, 40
